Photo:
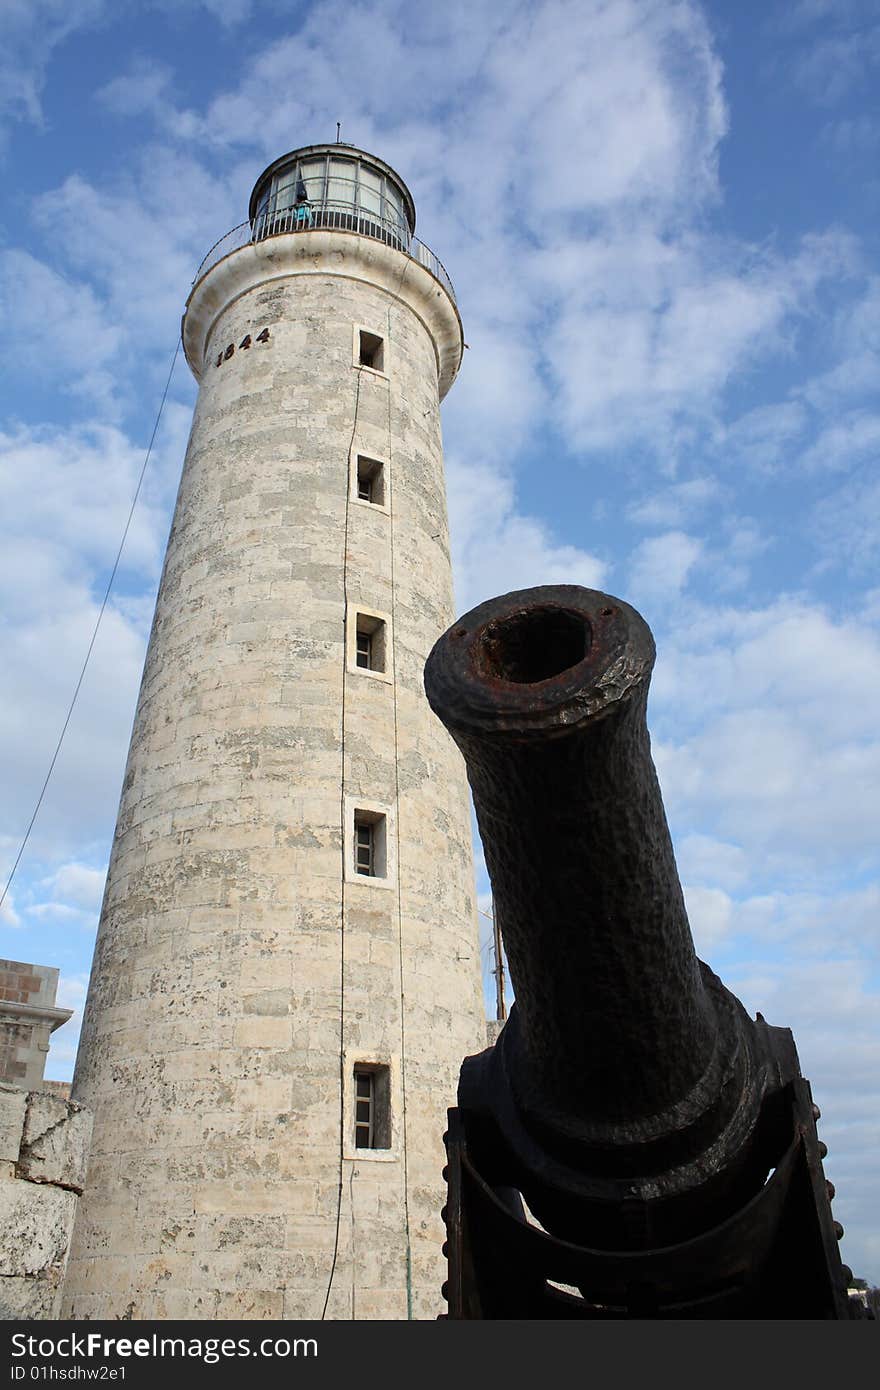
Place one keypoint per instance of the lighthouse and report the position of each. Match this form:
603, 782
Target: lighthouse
286, 974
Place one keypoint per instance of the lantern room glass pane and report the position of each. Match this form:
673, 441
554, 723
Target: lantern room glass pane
284, 189
370, 190
313, 177
341, 183
394, 212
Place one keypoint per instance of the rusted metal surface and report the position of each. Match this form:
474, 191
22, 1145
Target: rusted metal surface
629, 1098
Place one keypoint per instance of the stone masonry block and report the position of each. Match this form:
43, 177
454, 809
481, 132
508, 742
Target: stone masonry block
13, 1104
36, 1222
23, 1298
55, 1142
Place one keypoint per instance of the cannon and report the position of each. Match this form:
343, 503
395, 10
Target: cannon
634, 1145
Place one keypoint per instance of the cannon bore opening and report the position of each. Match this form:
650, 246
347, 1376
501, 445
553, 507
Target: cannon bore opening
533, 645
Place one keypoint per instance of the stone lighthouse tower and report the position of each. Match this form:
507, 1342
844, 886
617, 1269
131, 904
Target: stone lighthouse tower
286, 975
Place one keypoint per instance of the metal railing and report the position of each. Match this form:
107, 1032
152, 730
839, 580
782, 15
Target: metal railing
337, 216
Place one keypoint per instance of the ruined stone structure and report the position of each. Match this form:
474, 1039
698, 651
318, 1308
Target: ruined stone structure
28, 1017
43, 1146
44, 1143
286, 975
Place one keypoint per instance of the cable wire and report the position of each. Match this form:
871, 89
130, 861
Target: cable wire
357, 401
406, 1211
82, 673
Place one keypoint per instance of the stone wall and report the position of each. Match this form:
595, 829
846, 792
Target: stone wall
43, 1153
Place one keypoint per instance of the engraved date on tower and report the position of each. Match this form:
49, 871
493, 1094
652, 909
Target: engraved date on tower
246, 342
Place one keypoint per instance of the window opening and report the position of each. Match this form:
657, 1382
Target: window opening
370, 645
372, 350
372, 1106
370, 480
369, 844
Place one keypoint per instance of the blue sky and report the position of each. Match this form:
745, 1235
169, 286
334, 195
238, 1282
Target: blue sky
661, 221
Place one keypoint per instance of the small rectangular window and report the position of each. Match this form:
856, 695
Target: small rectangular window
370, 645
372, 350
369, 844
372, 1106
370, 480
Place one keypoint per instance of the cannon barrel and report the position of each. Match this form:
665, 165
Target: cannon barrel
545, 692
664, 1141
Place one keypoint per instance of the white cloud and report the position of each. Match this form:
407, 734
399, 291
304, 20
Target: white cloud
141, 89
677, 503
815, 923
703, 859
57, 912
496, 549
834, 1014
710, 913
36, 691
660, 566
832, 66
70, 492
78, 885
855, 339
765, 733
33, 29
65, 1040
8, 915
72, 991
757, 777
498, 394
849, 138
847, 524
848, 441
228, 12
763, 436
136, 242
650, 332
69, 344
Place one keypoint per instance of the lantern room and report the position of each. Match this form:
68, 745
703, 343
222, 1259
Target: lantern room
332, 186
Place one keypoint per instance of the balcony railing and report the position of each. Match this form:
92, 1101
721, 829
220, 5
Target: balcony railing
327, 214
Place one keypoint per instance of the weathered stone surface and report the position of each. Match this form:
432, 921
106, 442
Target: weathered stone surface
13, 1105
236, 958
44, 1144
24, 1298
37, 1222
55, 1141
